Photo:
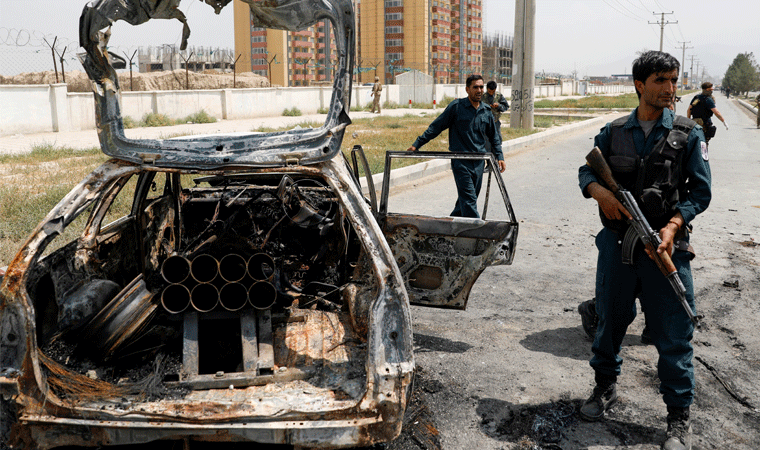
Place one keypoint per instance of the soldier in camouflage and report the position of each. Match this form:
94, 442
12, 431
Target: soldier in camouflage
496, 101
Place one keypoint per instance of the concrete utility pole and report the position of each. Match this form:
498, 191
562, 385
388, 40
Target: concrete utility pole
523, 72
683, 63
662, 24
697, 79
691, 69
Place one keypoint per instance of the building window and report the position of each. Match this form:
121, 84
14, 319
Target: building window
393, 3
393, 30
393, 16
394, 42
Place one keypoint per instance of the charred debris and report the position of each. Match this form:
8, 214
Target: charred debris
227, 263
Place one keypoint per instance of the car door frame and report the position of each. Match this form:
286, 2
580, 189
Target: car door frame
440, 258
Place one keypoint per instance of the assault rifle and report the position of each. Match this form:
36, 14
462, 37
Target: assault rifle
640, 229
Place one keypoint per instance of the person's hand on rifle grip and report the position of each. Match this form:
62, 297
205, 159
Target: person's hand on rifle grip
610, 206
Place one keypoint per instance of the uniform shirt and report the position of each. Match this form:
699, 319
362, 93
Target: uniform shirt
497, 97
696, 168
709, 104
468, 128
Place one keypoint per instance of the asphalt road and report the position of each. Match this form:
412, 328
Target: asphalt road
511, 370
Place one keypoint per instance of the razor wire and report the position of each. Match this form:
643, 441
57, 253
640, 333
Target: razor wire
24, 51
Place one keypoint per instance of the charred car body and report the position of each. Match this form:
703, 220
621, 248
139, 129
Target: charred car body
250, 293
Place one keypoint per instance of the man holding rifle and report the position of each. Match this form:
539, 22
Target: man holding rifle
662, 160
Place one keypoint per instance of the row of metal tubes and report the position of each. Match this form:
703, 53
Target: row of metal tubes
204, 297
204, 268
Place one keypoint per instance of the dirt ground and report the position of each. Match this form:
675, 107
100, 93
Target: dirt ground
512, 370
77, 81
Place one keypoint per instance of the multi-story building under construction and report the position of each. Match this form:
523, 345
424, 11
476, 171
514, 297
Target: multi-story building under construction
497, 58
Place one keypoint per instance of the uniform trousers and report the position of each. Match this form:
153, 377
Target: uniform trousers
670, 327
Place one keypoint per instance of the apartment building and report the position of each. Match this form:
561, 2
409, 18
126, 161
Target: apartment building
442, 38
300, 58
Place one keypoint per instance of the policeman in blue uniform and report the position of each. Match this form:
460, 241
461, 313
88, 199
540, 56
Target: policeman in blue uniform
662, 159
471, 125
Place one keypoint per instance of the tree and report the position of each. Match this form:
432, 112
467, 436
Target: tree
743, 74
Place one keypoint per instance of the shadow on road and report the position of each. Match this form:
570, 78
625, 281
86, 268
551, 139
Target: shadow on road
427, 343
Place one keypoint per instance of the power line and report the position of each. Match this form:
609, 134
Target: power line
631, 12
619, 11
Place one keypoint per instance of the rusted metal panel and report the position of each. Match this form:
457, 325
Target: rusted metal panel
250, 343
266, 352
190, 343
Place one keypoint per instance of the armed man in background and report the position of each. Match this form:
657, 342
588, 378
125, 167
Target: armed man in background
377, 88
670, 196
702, 108
496, 101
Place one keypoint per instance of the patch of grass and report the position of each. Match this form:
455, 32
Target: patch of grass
445, 101
156, 120
323, 110
162, 120
294, 111
200, 117
32, 184
129, 122
265, 129
625, 101
306, 124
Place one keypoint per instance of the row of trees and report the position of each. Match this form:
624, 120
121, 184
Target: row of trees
743, 75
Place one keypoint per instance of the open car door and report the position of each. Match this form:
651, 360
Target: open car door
441, 257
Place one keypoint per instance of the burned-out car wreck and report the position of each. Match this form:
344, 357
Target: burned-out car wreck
250, 293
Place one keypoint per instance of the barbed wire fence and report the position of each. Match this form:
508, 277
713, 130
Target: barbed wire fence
38, 54
23, 51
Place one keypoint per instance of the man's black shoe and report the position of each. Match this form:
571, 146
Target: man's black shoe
589, 319
679, 430
646, 337
602, 399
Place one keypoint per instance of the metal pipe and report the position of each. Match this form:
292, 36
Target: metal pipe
233, 296
175, 269
262, 295
204, 268
232, 267
204, 297
175, 298
261, 267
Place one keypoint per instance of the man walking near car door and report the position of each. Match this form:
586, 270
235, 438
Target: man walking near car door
471, 126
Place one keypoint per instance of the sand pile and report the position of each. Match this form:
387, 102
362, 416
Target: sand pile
77, 81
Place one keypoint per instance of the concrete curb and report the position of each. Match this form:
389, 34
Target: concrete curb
417, 172
747, 105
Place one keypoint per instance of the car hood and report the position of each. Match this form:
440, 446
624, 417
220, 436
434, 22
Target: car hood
298, 146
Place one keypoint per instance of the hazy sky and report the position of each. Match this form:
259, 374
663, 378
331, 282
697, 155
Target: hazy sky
591, 37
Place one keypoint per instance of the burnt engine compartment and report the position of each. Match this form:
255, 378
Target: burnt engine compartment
222, 271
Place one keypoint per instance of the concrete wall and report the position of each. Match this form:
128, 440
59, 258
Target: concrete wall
44, 108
